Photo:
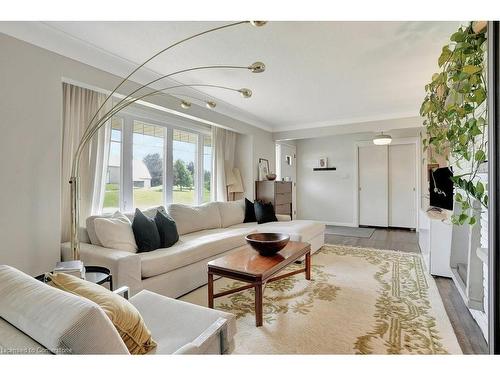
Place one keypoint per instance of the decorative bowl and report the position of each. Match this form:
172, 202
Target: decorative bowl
271, 176
267, 244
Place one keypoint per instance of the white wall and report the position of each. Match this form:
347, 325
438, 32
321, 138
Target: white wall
249, 149
329, 196
31, 144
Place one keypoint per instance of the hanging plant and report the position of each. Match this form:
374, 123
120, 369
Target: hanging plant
455, 113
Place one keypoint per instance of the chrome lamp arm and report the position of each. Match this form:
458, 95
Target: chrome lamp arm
94, 125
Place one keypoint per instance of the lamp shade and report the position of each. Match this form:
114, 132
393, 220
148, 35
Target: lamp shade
382, 139
237, 186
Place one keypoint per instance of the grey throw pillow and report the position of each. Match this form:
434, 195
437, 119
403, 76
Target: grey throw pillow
167, 229
146, 232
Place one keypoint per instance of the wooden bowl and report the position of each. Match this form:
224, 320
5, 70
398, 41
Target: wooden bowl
267, 244
271, 176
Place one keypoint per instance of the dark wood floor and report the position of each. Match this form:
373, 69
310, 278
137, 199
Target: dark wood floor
466, 329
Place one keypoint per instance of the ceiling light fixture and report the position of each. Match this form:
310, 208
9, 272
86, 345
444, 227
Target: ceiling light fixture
382, 139
211, 104
246, 93
257, 67
185, 104
258, 23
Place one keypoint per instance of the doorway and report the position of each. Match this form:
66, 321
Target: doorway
286, 169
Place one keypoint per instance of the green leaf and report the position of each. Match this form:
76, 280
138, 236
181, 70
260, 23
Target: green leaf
445, 55
472, 220
458, 197
480, 157
471, 69
462, 218
480, 188
459, 36
479, 95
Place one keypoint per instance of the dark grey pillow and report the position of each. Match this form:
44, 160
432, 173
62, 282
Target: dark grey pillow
167, 229
249, 212
264, 212
146, 233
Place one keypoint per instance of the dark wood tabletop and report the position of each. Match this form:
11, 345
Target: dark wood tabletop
248, 265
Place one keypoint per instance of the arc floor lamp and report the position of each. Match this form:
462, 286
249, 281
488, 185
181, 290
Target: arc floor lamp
98, 120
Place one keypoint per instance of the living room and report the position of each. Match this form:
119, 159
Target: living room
291, 186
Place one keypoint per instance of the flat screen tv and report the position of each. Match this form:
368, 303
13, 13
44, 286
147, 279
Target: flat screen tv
441, 188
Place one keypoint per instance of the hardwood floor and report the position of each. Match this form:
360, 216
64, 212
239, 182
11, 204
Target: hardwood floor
466, 329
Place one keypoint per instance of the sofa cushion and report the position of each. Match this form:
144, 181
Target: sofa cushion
195, 218
186, 321
192, 248
115, 232
249, 212
232, 213
167, 229
264, 212
60, 321
89, 222
125, 317
146, 232
298, 230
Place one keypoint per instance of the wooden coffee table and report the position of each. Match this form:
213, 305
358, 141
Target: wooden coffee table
249, 266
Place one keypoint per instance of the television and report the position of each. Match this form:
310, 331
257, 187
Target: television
441, 188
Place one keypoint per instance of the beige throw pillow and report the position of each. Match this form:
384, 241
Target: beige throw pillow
115, 232
125, 317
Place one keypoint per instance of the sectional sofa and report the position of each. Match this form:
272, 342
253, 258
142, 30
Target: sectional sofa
206, 232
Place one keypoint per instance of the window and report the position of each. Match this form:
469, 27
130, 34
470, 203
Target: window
152, 163
184, 159
207, 168
147, 164
113, 175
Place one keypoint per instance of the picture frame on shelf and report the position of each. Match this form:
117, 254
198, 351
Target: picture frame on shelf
263, 169
323, 162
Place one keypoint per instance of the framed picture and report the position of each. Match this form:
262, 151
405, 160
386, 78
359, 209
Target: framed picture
263, 169
323, 162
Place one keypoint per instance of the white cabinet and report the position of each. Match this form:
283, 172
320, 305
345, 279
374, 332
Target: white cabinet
434, 239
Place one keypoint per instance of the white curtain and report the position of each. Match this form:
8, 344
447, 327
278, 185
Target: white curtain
223, 161
79, 106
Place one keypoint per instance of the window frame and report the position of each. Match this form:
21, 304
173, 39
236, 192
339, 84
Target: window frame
126, 198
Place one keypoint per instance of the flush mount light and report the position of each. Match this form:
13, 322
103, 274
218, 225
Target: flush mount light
382, 139
211, 105
185, 104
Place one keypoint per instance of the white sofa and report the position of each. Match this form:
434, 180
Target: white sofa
206, 232
36, 318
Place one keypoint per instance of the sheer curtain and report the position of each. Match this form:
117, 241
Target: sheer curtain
223, 161
79, 105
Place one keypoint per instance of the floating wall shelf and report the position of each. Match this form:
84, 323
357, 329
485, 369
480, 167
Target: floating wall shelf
325, 169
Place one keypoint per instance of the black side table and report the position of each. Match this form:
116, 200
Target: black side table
95, 274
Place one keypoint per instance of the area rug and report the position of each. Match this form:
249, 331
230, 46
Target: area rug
349, 231
360, 301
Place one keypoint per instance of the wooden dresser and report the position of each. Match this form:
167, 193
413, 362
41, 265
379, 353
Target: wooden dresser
279, 193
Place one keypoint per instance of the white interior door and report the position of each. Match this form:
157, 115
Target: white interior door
402, 186
286, 157
373, 186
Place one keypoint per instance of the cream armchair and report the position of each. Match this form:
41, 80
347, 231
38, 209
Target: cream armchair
37, 318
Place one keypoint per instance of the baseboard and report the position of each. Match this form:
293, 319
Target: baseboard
339, 224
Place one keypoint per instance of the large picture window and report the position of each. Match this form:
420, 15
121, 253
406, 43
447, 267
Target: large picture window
153, 163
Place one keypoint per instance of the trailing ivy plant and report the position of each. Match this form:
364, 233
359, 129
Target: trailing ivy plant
455, 113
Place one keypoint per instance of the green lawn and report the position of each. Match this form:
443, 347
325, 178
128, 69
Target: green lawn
144, 198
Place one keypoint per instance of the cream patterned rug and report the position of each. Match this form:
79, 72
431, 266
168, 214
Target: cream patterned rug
360, 301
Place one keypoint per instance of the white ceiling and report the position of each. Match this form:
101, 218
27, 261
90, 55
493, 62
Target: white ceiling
318, 73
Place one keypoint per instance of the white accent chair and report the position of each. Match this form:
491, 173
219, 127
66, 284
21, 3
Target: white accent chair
36, 318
